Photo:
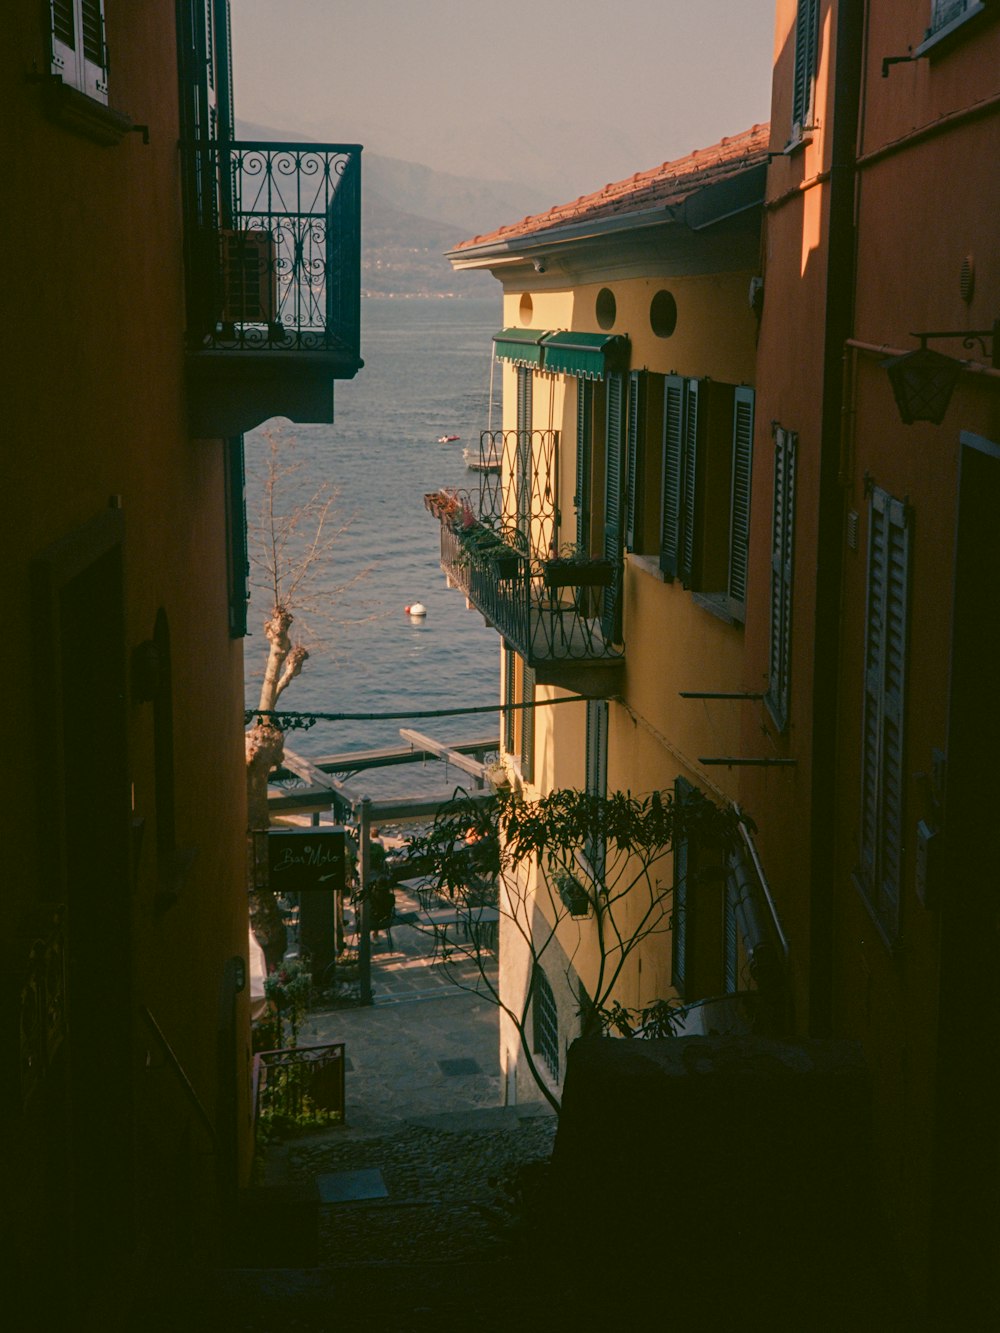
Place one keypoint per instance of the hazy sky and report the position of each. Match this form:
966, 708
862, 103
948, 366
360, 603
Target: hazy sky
568, 94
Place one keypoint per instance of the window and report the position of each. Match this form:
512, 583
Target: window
882, 776
707, 445
782, 554
806, 30
596, 775
519, 723
948, 13
544, 1021
79, 54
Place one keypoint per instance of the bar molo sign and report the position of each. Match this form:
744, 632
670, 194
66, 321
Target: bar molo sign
304, 860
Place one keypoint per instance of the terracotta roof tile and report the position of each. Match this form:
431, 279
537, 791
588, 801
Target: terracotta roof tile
659, 187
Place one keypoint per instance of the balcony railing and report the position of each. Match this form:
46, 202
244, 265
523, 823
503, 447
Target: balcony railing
554, 612
274, 263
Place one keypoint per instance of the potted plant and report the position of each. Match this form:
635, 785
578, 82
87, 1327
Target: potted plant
577, 568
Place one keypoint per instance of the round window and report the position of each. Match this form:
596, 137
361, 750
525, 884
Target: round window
525, 309
663, 314
606, 308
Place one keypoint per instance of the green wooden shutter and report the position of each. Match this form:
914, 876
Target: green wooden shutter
882, 774
596, 775
673, 436
613, 506
782, 560
739, 517
238, 569
731, 943
805, 64
508, 698
637, 403
688, 551
584, 445
522, 479
528, 724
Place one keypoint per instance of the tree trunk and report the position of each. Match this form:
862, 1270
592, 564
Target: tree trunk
265, 749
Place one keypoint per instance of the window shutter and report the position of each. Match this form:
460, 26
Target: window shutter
596, 776
673, 434
584, 443
805, 57
882, 776
731, 945
782, 555
688, 553
508, 698
93, 50
739, 519
636, 447
613, 507
528, 725
236, 523
522, 480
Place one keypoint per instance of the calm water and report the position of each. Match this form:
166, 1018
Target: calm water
426, 374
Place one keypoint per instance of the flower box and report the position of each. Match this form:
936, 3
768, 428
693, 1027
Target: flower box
578, 573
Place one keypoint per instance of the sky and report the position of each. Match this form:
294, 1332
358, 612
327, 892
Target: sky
564, 94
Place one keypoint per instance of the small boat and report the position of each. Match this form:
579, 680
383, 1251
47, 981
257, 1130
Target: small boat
479, 462
447, 439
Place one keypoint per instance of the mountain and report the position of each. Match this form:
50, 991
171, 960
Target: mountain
412, 214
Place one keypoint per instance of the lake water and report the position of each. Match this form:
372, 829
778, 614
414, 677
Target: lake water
426, 374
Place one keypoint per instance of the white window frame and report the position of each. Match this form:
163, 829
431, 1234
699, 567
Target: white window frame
72, 59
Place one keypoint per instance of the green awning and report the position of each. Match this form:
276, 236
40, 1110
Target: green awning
522, 346
586, 355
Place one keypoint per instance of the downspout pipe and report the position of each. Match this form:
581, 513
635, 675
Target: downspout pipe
838, 321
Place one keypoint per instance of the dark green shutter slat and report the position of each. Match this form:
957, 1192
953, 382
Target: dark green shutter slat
739, 519
782, 561
731, 975
673, 434
508, 698
635, 447
522, 480
805, 58
528, 724
63, 27
236, 523
613, 508
882, 772
584, 440
690, 480
92, 25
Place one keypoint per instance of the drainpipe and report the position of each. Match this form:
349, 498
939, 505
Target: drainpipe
838, 320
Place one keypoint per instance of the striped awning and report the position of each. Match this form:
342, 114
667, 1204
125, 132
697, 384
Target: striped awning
586, 355
521, 346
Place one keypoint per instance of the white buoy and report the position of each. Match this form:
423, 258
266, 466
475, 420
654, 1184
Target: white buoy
417, 610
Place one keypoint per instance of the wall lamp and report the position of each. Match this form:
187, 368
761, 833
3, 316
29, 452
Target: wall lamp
923, 380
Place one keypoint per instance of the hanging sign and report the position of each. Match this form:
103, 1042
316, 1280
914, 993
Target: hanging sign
305, 860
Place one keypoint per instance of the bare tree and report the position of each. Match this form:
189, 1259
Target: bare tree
292, 540
584, 876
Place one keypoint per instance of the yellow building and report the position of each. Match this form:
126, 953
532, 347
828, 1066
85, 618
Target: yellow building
620, 482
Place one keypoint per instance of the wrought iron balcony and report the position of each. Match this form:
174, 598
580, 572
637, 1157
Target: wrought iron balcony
273, 243
497, 548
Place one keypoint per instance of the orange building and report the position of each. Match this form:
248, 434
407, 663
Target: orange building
871, 627
156, 307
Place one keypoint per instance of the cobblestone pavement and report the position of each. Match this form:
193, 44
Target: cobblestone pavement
423, 1109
